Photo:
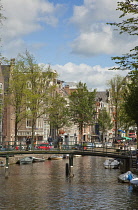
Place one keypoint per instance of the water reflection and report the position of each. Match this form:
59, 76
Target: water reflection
45, 186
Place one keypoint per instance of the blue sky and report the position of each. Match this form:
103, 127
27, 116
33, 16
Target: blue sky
70, 35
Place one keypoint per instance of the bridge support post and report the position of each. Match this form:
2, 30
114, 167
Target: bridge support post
125, 165
67, 169
7, 167
71, 165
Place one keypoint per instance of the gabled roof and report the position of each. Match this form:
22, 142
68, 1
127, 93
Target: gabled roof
101, 96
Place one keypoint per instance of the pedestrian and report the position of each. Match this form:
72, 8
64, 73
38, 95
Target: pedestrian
50, 140
28, 142
59, 141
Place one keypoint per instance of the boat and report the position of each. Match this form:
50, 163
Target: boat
25, 160
134, 183
111, 163
126, 177
55, 157
2, 164
65, 156
28, 160
35, 159
77, 155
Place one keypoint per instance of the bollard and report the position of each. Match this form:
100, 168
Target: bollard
67, 169
71, 165
7, 167
70, 160
71, 171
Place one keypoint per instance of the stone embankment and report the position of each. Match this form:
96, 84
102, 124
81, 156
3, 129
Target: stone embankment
13, 160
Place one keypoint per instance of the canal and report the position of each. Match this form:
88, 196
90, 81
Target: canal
44, 186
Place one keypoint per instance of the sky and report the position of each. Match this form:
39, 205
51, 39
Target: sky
70, 35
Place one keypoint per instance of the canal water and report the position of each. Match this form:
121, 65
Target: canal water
44, 186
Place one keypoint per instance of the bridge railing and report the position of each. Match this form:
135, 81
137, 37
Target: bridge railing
10, 145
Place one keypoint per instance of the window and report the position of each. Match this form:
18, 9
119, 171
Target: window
28, 123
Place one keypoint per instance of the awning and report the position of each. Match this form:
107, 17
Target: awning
127, 138
133, 136
121, 131
118, 138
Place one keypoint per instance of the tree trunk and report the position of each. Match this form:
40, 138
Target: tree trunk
16, 137
33, 128
81, 133
137, 135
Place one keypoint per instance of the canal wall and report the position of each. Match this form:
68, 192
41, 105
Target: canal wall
15, 158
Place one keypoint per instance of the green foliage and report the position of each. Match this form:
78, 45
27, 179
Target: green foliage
129, 24
116, 98
16, 92
131, 102
58, 112
124, 120
104, 120
30, 88
82, 104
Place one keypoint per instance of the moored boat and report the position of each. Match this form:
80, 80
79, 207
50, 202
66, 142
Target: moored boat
35, 159
2, 164
126, 177
55, 157
134, 183
25, 160
111, 163
77, 155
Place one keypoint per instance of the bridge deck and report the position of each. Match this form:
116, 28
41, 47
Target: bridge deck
95, 152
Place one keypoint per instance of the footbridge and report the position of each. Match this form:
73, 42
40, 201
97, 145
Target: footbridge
113, 153
124, 155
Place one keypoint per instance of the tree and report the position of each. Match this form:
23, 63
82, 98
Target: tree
104, 121
131, 102
58, 112
115, 85
16, 93
29, 91
82, 107
129, 24
40, 85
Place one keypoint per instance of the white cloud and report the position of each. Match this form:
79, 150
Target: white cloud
94, 11
26, 16
96, 37
95, 77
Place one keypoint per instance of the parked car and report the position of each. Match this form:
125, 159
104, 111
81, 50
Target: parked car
108, 144
88, 145
77, 147
98, 144
44, 146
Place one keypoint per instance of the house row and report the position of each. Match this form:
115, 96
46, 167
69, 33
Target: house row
43, 130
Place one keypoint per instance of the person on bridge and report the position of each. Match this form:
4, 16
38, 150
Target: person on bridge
50, 140
59, 141
28, 142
